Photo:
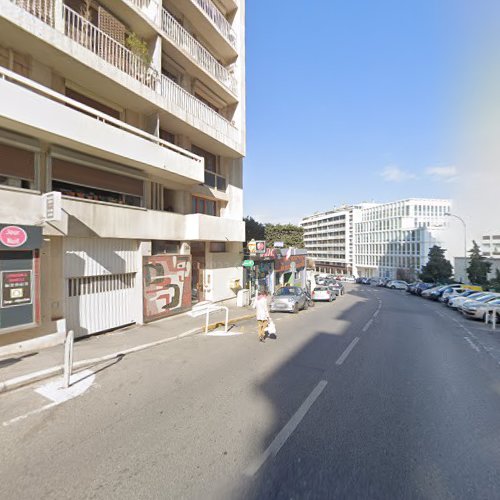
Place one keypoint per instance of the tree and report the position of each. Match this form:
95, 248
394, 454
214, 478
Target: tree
254, 230
405, 274
495, 282
289, 234
438, 268
479, 267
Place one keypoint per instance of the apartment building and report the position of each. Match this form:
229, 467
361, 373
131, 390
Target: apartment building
329, 238
393, 239
122, 133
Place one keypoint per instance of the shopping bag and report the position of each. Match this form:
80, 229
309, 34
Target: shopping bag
271, 328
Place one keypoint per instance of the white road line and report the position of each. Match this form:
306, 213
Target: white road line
474, 346
346, 353
34, 412
375, 314
367, 325
287, 431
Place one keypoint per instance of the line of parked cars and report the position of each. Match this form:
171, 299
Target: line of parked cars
471, 301
385, 282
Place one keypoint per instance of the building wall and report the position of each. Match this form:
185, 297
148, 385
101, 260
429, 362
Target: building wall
124, 124
461, 264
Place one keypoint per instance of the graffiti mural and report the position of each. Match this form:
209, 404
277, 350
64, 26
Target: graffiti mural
167, 285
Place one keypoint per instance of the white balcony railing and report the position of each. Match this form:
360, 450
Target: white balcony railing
91, 37
218, 20
188, 44
10, 76
199, 110
85, 33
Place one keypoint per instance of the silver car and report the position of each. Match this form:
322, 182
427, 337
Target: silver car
476, 309
289, 299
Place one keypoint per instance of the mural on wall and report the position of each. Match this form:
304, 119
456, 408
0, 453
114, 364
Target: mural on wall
167, 285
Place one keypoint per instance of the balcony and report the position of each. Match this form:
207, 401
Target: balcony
215, 26
166, 94
193, 111
196, 51
53, 117
208, 228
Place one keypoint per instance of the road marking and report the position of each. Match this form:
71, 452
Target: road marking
346, 353
367, 325
375, 314
287, 431
33, 412
474, 346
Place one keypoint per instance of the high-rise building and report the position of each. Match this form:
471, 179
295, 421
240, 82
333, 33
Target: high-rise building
329, 238
380, 240
122, 133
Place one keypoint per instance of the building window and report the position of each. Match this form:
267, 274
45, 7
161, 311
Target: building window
80, 181
17, 167
159, 247
213, 178
217, 246
203, 206
167, 136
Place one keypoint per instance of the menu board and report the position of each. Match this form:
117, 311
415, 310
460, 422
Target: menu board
16, 288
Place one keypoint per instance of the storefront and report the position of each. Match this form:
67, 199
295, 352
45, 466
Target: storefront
290, 268
19, 276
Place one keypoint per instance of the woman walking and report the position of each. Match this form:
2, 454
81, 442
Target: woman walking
262, 313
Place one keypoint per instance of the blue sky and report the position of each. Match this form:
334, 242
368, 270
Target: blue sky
353, 100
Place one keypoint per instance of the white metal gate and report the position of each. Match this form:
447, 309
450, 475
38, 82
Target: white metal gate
100, 284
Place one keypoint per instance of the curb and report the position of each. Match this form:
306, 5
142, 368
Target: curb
30, 378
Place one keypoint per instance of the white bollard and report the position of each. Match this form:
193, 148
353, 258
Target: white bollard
68, 357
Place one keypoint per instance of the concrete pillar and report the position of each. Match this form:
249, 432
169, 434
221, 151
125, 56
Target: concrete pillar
58, 15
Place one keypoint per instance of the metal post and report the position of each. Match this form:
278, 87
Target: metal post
68, 358
494, 320
227, 319
206, 320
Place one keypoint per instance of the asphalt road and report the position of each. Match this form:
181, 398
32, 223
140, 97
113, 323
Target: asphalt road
378, 395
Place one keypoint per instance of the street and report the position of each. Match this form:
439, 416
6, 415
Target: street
376, 395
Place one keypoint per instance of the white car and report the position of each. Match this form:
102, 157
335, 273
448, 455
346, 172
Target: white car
397, 285
323, 293
478, 310
457, 302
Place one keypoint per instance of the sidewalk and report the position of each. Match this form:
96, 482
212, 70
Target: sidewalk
23, 368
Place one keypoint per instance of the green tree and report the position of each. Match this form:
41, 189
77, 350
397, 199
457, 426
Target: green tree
438, 269
495, 282
479, 267
289, 234
254, 230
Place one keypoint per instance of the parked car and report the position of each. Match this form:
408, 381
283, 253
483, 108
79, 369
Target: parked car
473, 309
397, 285
289, 299
478, 311
456, 302
337, 287
454, 292
436, 294
323, 293
411, 287
421, 287
430, 291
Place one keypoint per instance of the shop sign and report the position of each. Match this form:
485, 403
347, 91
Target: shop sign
248, 263
13, 236
279, 244
260, 247
16, 288
52, 206
252, 247
20, 237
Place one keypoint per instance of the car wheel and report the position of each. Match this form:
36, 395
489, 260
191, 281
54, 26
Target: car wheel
295, 308
306, 305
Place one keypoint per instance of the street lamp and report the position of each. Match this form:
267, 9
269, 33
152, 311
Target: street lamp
465, 234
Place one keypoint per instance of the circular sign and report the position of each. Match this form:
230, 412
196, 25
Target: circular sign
13, 236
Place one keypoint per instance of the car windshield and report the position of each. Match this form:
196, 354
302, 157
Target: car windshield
287, 291
486, 298
320, 289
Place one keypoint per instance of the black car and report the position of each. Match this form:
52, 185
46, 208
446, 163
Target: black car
423, 286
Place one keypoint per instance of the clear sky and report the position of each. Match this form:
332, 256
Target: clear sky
353, 100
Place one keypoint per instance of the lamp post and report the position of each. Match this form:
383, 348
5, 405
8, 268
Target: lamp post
465, 234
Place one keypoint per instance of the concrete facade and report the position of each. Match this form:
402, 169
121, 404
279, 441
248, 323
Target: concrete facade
143, 136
